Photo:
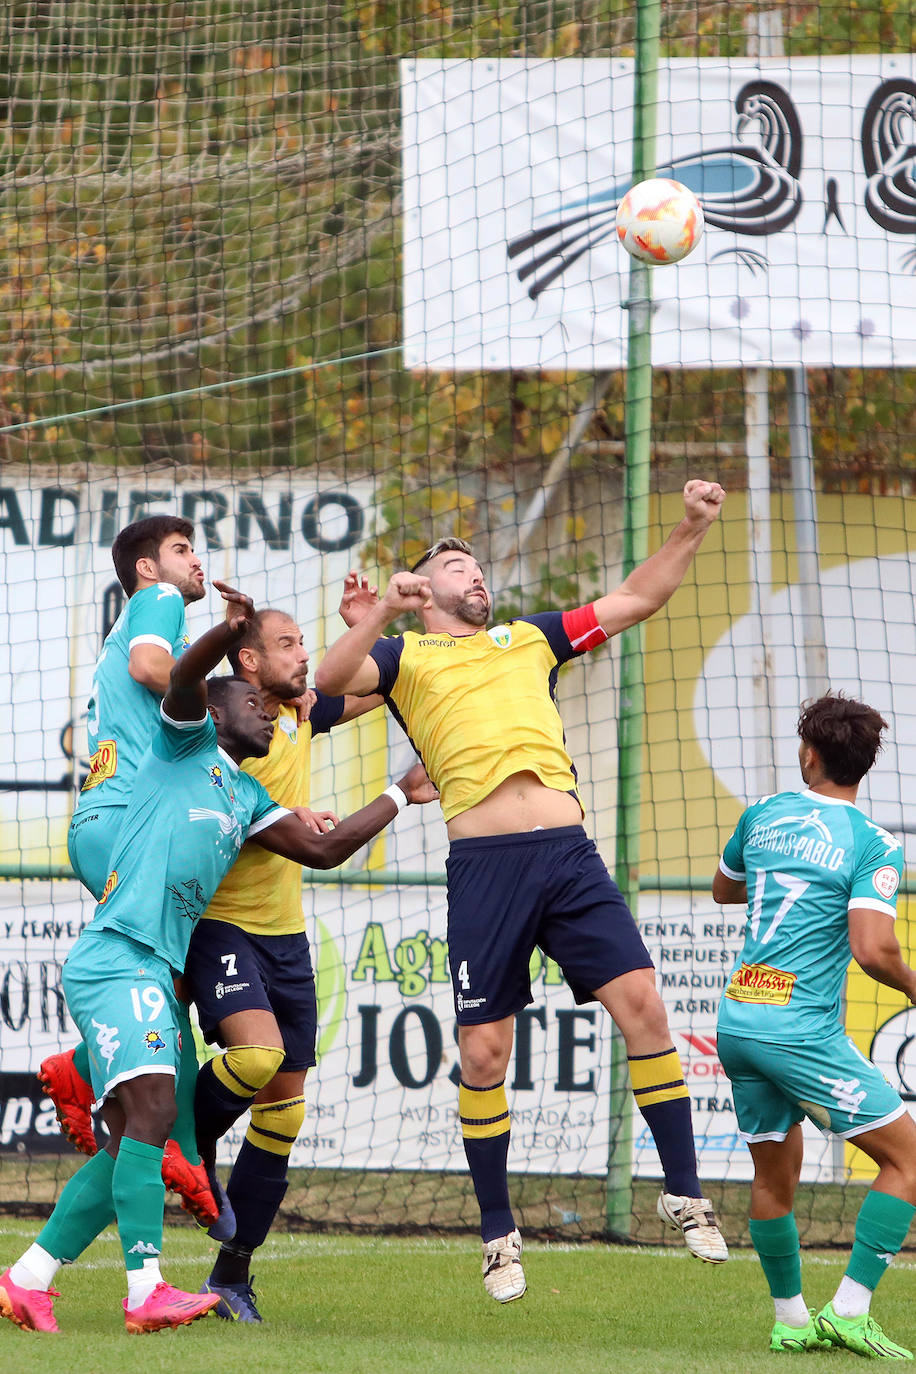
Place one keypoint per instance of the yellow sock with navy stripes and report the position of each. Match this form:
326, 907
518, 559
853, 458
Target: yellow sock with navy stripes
484, 1114
662, 1097
258, 1183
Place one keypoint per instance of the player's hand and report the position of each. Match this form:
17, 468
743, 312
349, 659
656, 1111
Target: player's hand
318, 821
702, 501
417, 787
407, 592
239, 607
303, 705
358, 598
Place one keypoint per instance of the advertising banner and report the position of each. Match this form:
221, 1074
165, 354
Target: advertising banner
513, 170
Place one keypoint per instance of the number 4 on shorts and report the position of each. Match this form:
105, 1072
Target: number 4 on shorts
464, 978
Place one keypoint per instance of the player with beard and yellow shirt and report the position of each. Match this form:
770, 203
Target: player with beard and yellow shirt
479, 706
249, 966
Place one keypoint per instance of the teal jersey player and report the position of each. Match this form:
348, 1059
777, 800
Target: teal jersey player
820, 883
122, 713
808, 860
190, 810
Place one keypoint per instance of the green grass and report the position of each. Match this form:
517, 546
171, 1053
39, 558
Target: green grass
364, 1305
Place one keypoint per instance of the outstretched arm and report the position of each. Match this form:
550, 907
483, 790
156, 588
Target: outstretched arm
347, 667
293, 839
650, 585
186, 698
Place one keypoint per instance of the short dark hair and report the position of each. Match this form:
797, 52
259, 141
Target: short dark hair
450, 544
143, 539
218, 689
253, 637
846, 734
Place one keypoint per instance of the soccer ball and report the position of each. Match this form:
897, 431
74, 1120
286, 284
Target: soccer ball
659, 221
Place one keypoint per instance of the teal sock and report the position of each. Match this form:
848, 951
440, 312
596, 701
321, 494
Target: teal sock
139, 1199
184, 1130
881, 1228
83, 1210
776, 1243
81, 1061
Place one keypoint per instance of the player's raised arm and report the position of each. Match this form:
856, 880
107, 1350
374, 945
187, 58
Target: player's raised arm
347, 666
650, 585
295, 840
186, 698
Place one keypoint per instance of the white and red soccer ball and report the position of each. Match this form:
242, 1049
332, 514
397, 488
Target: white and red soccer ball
659, 221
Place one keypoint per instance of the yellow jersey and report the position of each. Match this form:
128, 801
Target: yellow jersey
262, 892
482, 706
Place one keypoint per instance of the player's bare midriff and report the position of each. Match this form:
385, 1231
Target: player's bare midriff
520, 802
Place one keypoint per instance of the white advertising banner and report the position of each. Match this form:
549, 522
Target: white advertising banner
805, 168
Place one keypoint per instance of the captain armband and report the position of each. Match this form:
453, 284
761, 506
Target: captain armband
582, 628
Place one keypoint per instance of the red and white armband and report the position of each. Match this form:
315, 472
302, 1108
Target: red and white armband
582, 628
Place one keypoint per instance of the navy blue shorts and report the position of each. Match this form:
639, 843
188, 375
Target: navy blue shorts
509, 893
230, 970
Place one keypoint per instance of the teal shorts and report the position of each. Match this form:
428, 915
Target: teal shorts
90, 841
830, 1081
122, 998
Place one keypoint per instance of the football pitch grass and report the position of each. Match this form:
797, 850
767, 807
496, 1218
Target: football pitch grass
357, 1305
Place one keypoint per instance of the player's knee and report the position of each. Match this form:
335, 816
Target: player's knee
484, 1057
640, 1005
245, 1069
149, 1107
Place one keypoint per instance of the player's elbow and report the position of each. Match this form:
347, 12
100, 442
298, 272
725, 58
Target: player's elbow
874, 956
326, 681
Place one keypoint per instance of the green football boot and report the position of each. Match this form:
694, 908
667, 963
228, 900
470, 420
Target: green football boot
790, 1338
862, 1335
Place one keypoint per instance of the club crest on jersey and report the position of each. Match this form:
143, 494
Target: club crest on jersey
501, 636
153, 1041
289, 728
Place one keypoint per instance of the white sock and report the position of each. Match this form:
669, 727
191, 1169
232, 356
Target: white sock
792, 1311
35, 1270
141, 1282
852, 1299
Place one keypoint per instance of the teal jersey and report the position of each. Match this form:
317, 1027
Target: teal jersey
808, 861
122, 714
190, 810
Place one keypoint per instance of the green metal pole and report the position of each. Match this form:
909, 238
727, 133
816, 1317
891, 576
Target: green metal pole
638, 423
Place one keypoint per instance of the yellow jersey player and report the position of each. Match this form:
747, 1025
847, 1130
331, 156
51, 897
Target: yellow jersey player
249, 967
509, 798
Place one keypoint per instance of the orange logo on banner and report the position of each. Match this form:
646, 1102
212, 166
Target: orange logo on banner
103, 764
761, 983
110, 885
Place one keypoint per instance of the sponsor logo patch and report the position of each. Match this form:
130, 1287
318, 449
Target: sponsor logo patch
111, 883
153, 1041
102, 765
761, 984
